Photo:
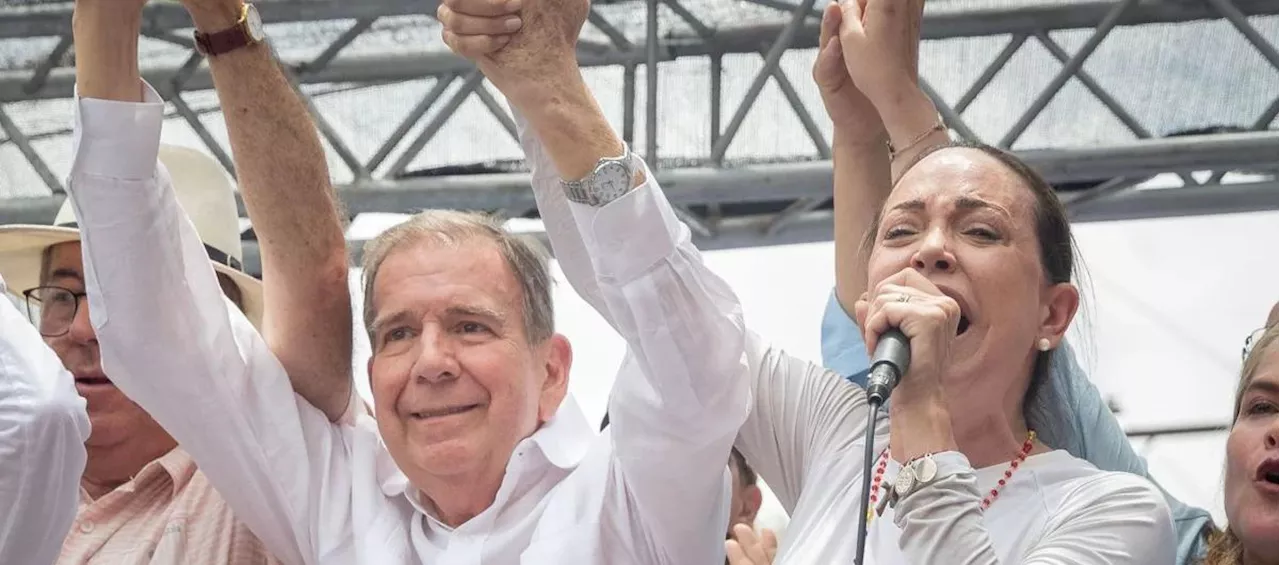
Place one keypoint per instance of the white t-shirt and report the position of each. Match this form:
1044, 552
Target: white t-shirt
805, 438
1055, 509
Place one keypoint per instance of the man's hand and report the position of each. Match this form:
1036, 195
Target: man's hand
528, 65
537, 70
748, 549
476, 29
853, 115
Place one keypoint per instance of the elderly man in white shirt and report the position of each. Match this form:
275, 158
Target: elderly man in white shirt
478, 455
43, 427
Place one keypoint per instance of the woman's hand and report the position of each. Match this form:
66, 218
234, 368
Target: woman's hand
913, 304
881, 47
920, 422
748, 549
853, 115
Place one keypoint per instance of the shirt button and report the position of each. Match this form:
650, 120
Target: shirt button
86, 527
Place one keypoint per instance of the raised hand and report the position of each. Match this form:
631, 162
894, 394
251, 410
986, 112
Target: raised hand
880, 40
853, 115
477, 28
746, 548
537, 55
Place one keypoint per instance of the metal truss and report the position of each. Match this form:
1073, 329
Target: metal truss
726, 203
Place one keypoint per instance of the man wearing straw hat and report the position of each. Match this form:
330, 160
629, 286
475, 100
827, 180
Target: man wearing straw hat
142, 499
136, 481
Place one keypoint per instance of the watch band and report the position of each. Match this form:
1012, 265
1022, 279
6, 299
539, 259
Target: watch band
611, 179
246, 31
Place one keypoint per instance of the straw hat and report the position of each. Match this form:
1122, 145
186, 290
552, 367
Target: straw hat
203, 190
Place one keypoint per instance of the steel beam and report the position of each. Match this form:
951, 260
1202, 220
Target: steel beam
772, 58
161, 17
1069, 69
816, 226
786, 182
19, 139
728, 39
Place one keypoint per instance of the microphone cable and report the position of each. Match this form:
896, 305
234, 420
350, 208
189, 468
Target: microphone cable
868, 461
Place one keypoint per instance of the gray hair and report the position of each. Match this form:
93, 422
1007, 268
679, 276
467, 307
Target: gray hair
524, 256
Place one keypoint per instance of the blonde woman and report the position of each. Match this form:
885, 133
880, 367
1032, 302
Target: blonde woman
1250, 493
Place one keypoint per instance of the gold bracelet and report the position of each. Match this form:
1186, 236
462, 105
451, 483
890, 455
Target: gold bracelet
894, 152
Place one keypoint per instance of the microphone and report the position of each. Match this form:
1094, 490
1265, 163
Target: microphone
888, 363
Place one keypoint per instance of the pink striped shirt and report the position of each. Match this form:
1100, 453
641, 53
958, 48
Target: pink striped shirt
168, 514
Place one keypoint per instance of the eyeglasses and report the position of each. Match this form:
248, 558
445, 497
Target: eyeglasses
1249, 342
52, 309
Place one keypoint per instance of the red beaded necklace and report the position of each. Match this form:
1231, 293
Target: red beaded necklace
878, 478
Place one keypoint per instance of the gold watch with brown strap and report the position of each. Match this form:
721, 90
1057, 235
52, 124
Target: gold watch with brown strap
246, 32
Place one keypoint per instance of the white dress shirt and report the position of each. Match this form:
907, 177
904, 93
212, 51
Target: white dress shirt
43, 427
805, 437
653, 489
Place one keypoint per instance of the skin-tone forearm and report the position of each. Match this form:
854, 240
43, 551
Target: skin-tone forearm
106, 40
909, 116
862, 183
567, 120
864, 177
921, 424
284, 179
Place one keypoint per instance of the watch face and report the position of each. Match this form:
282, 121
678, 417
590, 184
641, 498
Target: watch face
253, 22
611, 181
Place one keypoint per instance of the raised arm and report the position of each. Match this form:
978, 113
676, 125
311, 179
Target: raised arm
43, 427
169, 339
284, 180
682, 392
884, 54
866, 71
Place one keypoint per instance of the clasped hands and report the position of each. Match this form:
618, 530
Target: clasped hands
519, 45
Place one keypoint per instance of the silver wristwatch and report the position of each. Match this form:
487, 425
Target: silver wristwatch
612, 178
914, 475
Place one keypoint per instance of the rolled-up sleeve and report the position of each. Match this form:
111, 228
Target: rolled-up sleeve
682, 391
43, 427
178, 348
